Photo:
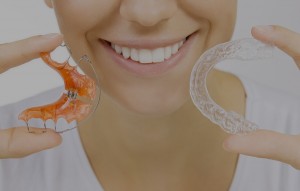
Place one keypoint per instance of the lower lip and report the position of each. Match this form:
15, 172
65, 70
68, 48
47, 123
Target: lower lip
153, 69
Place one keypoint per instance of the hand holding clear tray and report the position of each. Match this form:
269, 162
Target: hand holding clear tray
16, 142
263, 143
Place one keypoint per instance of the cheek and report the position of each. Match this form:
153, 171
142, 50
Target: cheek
210, 9
83, 14
220, 14
76, 18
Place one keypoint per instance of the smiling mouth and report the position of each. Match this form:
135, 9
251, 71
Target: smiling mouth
148, 56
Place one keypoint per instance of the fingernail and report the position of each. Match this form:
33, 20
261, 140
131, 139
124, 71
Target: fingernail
264, 29
51, 35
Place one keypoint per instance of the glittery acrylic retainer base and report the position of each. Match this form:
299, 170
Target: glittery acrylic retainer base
242, 49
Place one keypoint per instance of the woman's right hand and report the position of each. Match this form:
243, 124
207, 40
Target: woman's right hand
16, 142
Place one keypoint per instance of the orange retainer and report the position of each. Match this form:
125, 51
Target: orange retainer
75, 103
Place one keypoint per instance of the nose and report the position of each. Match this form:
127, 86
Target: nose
148, 12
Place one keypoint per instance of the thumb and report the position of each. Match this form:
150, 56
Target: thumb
17, 142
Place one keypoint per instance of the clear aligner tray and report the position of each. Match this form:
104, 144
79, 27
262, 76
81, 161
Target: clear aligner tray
242, 49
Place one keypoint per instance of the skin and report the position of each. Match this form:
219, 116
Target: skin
147, 147
127, 91
158, 140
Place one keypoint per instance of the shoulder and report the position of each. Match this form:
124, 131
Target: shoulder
259, 94
271, 108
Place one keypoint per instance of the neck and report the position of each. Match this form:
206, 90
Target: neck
142, 138
181, 145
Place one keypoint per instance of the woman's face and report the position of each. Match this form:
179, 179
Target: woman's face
144, 50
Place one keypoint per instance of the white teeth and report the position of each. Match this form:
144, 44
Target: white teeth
126, 52
118, 49
175, 48
168, 52
158, 55
134, 54
146, 55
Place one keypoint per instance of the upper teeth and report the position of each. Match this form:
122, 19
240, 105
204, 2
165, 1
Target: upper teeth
146, 55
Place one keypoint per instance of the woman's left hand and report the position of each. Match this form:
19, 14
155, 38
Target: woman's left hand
264, 143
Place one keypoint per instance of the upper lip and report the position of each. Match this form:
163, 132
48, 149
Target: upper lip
140, 43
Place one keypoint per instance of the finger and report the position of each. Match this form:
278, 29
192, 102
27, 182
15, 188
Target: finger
266, 144
285, 39
18, 142
19, 52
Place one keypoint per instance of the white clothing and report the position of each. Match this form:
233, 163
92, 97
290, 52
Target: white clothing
66, 168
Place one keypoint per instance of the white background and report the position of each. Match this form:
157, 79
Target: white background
23, 18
